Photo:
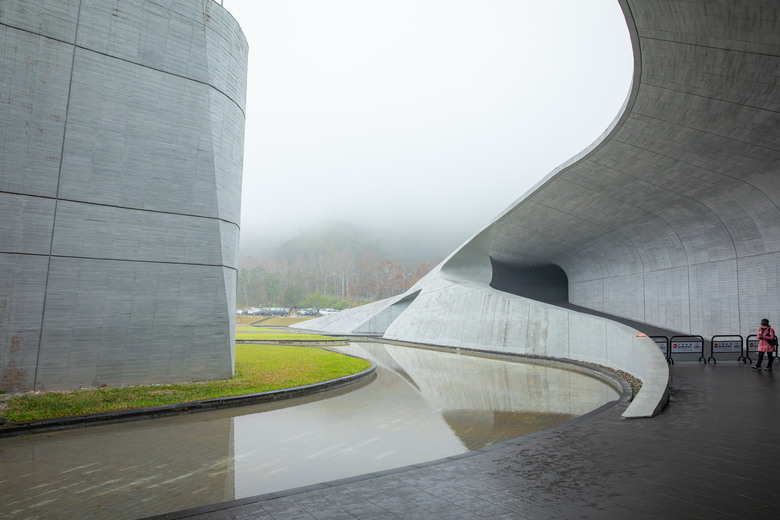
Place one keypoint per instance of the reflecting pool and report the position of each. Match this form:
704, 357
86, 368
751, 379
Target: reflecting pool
422, 405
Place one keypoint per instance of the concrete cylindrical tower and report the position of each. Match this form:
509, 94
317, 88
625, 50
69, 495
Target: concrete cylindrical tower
121, 148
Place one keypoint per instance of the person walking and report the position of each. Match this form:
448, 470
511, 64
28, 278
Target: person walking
766, 343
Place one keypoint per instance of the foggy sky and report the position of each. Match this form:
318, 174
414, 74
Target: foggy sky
418, 118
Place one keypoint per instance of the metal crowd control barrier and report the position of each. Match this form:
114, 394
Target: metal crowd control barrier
725, 345
743, 355
695, 344
663, 343
752, 346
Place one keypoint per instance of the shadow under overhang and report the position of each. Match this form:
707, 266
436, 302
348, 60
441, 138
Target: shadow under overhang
545, 283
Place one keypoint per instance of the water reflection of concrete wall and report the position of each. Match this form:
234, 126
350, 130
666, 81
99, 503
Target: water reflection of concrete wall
487, 401
462, 382
423, 405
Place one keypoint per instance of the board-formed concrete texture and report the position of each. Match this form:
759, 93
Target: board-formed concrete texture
121, 150
670, 218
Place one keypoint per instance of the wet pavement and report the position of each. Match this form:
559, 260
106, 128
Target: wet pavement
711, 454
422, 405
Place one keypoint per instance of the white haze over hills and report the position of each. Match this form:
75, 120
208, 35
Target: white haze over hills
417, 120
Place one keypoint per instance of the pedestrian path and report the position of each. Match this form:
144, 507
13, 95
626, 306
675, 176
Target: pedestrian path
711, 454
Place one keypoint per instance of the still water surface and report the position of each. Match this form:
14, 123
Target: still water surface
423, 405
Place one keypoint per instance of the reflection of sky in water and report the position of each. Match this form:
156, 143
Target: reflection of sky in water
422, 406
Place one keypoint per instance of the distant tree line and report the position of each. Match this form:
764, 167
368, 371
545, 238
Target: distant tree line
338, 268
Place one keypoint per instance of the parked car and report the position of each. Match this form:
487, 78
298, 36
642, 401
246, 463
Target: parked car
275, 311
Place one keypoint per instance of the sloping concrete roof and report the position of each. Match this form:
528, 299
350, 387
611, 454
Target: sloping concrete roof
684, 190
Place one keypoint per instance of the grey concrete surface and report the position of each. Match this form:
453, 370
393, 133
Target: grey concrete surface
670, 219
121, 150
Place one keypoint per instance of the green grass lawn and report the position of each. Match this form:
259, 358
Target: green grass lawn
249, 328
281, 336
259, 368
244, 333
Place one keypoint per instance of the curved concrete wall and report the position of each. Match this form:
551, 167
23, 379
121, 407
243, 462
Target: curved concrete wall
673, 219
670, 219
121, 149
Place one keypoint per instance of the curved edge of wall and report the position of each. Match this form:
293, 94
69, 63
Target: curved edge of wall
654, 394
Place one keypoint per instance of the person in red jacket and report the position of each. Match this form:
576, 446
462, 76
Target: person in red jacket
766, 343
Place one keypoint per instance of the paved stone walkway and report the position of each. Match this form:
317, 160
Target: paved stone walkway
711, 454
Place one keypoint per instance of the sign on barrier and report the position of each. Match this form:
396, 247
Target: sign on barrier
688, 345
691, 347
725, 344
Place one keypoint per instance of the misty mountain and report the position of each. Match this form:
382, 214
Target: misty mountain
408, 245
333, 265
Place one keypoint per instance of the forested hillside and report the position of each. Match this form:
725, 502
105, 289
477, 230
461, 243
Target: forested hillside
338, 267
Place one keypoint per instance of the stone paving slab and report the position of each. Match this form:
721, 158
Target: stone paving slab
711, 454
